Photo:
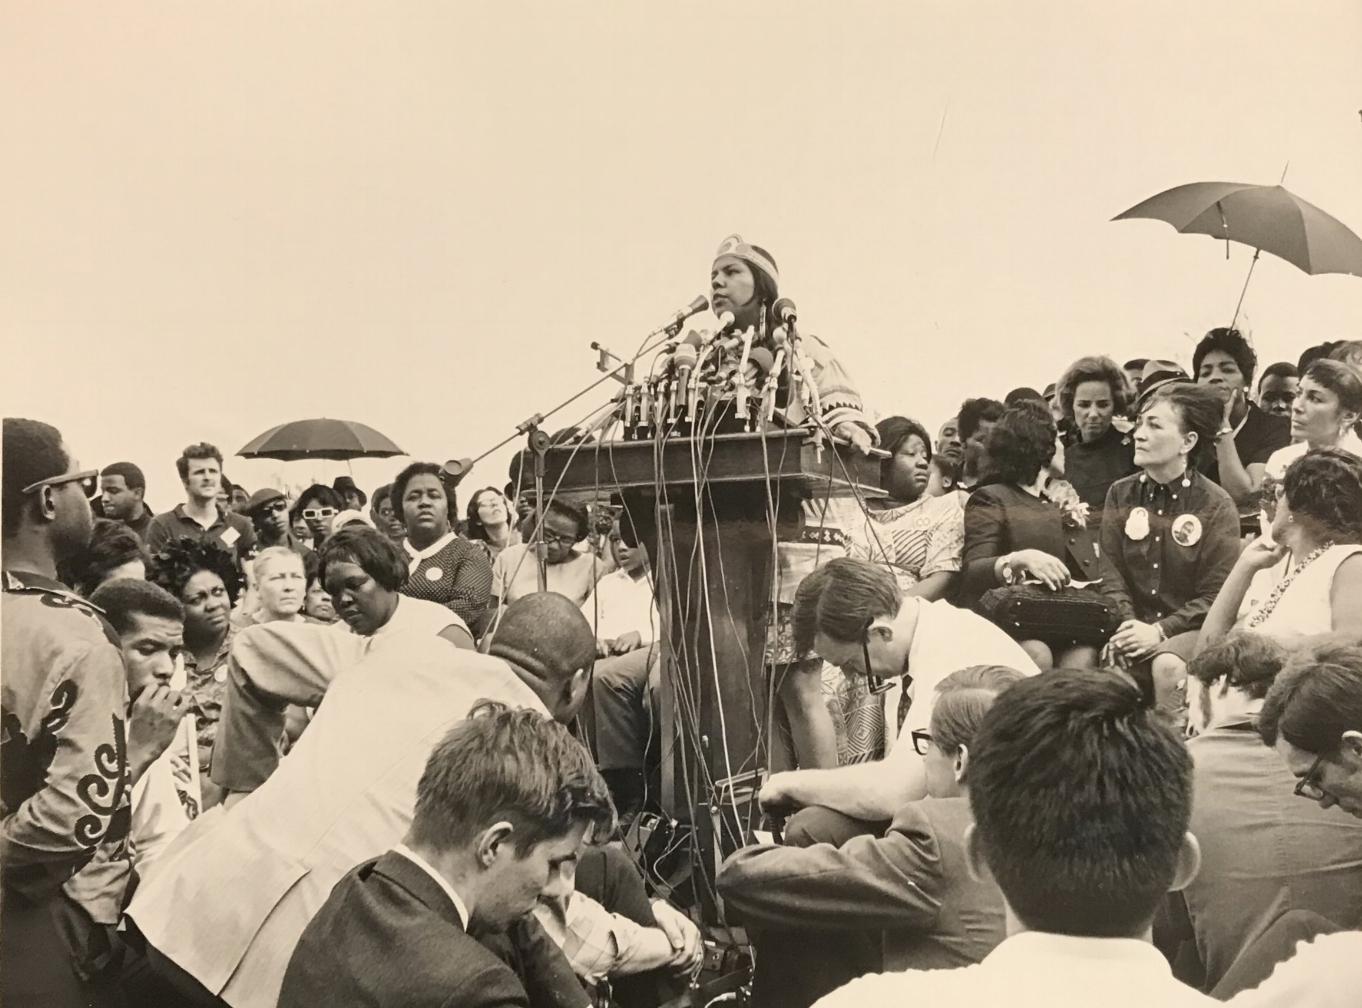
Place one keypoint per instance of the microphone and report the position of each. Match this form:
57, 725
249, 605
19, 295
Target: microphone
681, 314
683, 361
759, 364
785, 310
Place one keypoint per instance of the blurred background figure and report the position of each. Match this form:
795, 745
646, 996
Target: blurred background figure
385, 519
114, 551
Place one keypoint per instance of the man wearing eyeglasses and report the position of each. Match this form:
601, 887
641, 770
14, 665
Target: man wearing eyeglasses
200, 517
64, 751
1312, 716
853, 614
268, 512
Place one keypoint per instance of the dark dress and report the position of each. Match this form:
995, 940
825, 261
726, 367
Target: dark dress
1092, 467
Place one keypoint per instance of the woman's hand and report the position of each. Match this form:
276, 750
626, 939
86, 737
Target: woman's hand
1261, 554
1136, 640
1049, 571
859, 437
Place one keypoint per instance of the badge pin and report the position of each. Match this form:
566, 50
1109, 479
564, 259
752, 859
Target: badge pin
1137, 525
1187, 530
434, 573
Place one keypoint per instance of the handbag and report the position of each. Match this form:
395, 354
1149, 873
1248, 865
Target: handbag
1035, 612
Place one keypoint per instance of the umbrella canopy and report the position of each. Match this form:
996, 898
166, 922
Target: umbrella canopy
1268, 218
321, 438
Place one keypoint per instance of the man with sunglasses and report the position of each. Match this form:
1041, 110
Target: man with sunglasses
269, 515
200, 516
1312, 716
853, 614
65, 782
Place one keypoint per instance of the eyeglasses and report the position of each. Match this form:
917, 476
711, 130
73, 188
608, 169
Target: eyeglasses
273, 507
554, 537
312, 514
922, 741
1308, 786
88, 480
874, 684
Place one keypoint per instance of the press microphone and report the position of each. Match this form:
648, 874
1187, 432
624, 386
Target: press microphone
681, 314
784, 310
683, 361
759, 364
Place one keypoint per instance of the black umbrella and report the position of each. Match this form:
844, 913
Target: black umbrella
321, 438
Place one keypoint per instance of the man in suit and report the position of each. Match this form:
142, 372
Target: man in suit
913, 884
503, 805
223, 912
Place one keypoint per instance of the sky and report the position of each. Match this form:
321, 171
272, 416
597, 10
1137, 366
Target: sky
218, 217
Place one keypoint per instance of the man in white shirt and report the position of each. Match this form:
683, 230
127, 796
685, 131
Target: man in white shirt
1081, 800
853, 614
624, 613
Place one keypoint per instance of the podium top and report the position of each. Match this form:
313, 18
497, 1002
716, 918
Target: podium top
793, 458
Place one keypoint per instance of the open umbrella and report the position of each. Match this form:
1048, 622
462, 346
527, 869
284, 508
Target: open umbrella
1268, 218
321, 438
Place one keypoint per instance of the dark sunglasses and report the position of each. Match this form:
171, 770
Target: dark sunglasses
88, 480
273, 507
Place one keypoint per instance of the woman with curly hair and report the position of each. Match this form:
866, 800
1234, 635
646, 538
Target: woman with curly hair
1014, 530
1093, 393
204, 578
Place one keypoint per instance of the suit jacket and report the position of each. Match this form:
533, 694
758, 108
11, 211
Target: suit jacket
229, 901
913, 883
1002, 519
389, 935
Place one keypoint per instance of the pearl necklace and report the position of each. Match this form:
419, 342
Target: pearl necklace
1266, 609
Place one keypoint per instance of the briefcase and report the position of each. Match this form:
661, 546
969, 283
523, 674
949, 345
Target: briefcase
1035, 612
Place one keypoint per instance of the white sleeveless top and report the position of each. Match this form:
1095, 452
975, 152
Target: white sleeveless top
1304, 607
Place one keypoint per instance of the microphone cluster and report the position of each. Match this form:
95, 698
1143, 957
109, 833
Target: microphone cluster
697, 377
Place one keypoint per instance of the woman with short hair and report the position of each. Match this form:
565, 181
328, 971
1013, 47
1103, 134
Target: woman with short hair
1324, 414
1093, 393
364, 573
1014, 531
442, 567
1169, 539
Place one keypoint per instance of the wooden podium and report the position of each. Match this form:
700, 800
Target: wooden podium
706, 511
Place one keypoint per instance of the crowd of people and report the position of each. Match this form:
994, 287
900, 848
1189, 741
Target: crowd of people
1051, 703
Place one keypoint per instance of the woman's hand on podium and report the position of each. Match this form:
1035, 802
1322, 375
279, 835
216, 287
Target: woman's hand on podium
853, 432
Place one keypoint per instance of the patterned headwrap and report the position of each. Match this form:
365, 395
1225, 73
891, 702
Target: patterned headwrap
755, 257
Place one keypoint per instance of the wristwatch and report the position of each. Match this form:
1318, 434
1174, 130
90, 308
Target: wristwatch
1008, 574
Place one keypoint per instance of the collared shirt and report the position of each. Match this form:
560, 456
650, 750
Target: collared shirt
231, 531
141, 524
1035, 969
1264, 851
440, 880
1166, 550
620, 604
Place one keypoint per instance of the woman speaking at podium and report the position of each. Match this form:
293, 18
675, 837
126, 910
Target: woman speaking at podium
744, 280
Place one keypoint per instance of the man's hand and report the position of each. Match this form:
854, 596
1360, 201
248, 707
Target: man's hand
687, 946
155, 715
773, 796
1135, 639
625, 643
856, 434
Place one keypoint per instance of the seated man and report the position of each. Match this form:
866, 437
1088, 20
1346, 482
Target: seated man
503, 805
853, 614
256, 873
1081, 801
1313, 717
808, 904
1263, 853
623, 612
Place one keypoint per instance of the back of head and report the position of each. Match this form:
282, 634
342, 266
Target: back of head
1081, 799
1317, 696
1022, 443
503, 764
547, 636
1243, 660
124, 599
1324, 487
841, 599
962, 700
32, 451
112, 544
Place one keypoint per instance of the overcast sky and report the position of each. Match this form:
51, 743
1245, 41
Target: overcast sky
217, 217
